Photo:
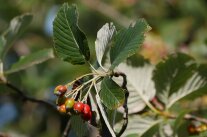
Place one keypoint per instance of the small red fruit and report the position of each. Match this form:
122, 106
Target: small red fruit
62, 108
78, 107
192, 129
87, 116
62, 88
69, 103
61, 100
86, 109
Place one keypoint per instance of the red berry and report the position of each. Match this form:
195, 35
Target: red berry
69, 103
62, 89
78, 107
86, 109
87, 116
62, 108
192, 129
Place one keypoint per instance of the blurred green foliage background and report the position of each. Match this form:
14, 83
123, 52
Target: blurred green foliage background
177, 25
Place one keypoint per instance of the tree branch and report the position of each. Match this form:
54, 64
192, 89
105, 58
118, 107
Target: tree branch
67, 129
27, 98
171, 116
125, 116
108, 11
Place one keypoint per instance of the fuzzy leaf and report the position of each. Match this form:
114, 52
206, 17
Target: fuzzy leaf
2, 44
127, 41
16, 27
103, 39
138, 126
31, 59
195, 84
111, 94
139, 82
70, 42
172, 74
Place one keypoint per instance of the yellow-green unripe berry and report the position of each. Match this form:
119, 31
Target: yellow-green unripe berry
69, 103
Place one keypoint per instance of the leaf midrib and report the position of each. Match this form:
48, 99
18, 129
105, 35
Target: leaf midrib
110, 92
64, 11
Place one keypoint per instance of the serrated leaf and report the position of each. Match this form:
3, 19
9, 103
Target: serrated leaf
194, 84
16, 27
139, 82
172, 74
138, 125
31, 59
103, 39
70, 42
111, 94
127, 41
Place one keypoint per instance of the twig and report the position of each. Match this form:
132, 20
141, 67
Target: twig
186, 116
192, 117
108, 11
125, 116
27, 98
67, 129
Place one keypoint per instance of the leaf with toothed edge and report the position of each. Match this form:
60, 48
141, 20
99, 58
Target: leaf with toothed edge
127, 41
70, 43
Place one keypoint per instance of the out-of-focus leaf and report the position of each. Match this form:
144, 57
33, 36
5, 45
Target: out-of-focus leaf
172, 74
2, 44
31, 59
103, 39
178, 78
111, 94
152, 131
127, 41
16, 27
138, 125
194, 87
175, 31
70, 42
204, 134
179, 121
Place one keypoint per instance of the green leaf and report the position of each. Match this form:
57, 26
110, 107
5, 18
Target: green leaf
151, 131
172, 74
79, 126
70, 42
179, 121
138, 126
31, 59
2, 44
195, 86
104, 36
127, 41
111, 94
16, 27
104, 115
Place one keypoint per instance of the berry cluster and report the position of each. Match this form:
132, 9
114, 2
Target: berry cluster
69, 105
192, 129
